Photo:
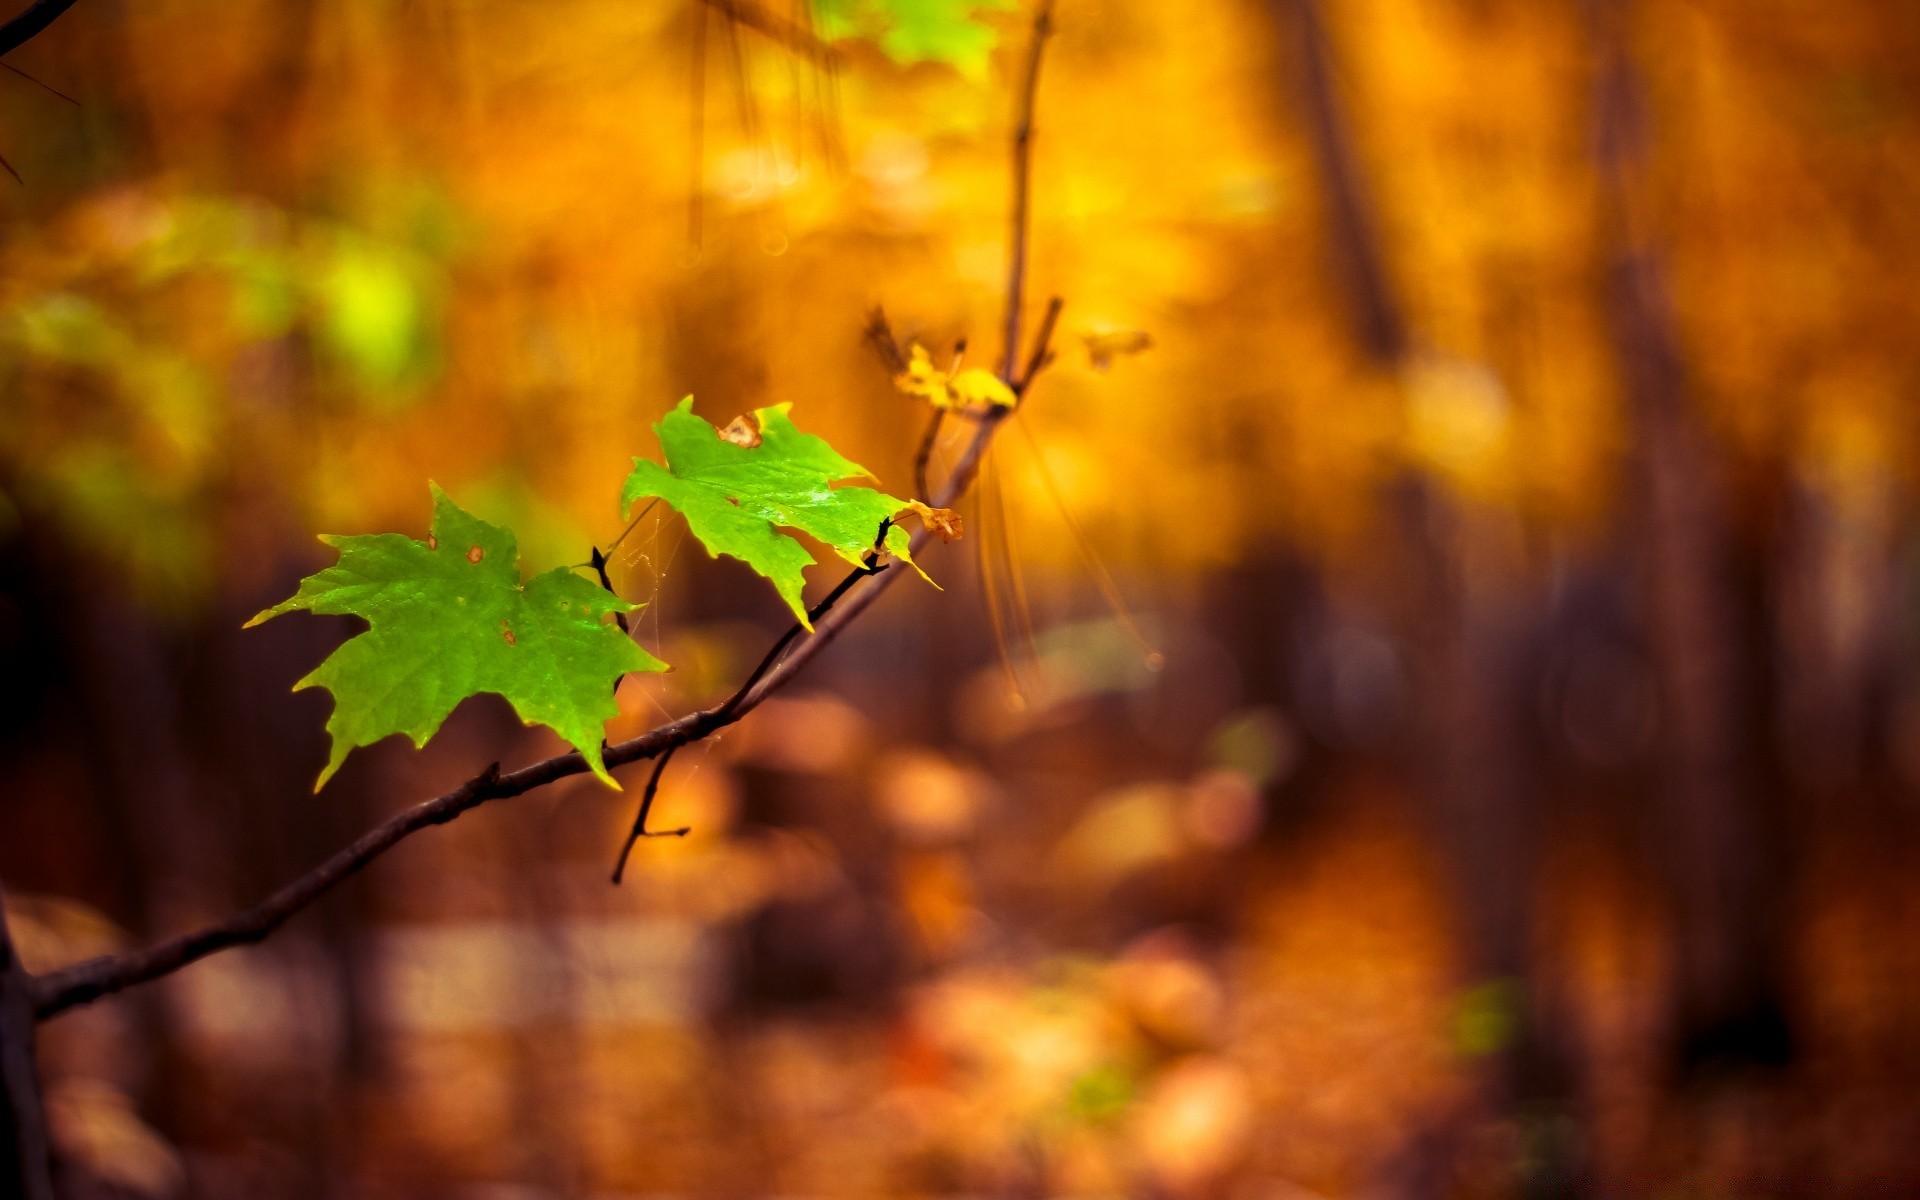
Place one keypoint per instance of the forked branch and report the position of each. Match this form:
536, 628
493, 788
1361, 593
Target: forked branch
58, 991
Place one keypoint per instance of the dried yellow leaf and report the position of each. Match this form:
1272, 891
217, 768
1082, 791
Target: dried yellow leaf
973, 388
942, 521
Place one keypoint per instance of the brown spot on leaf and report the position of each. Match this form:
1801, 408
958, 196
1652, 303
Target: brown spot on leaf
732, 501
741, 432
433, 543
507, 632
475, 555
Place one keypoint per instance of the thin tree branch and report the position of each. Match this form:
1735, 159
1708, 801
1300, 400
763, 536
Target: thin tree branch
41, 84
84, 982
1022, 192
773, 655
29, 24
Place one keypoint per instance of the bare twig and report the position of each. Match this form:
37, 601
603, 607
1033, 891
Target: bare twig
41, 84
29, 24
1023, 192
1042, 347
640, 819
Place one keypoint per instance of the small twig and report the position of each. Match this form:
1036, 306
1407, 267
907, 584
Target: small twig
599, 561
637, 518
640, 819
1042, 347
43, 86
1022, 191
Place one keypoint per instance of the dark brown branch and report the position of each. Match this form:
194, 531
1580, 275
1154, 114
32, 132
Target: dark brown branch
1023, 192
773, 655
30, 24
81, 983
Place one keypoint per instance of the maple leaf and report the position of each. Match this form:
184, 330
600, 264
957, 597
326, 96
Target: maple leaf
450, 618
734, 496
973, 388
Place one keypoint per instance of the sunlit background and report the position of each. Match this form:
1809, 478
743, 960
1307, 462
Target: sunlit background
1426, 704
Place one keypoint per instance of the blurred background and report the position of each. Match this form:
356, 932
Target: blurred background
1426, 704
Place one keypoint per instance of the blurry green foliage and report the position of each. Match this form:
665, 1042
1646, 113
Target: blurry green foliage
912, 31
372, 312
123, 410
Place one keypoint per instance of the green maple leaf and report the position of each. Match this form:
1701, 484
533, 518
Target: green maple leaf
733, 496
449, 618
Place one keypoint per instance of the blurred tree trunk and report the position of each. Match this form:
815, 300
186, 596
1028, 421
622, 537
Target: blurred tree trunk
25, 1165
1468, 621
1710, 649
